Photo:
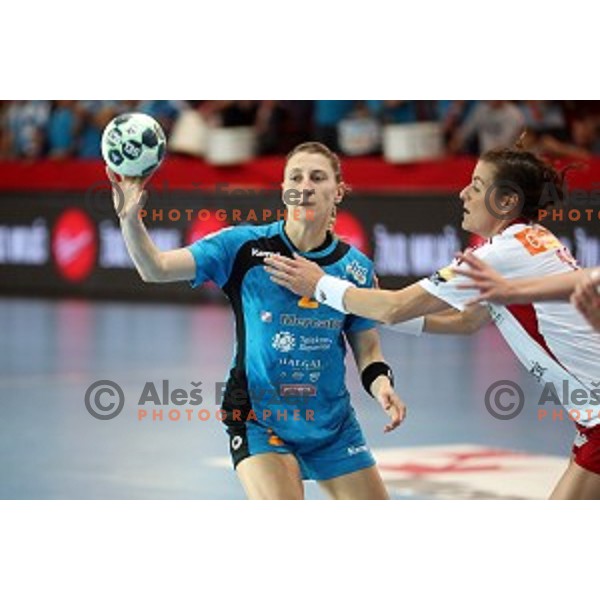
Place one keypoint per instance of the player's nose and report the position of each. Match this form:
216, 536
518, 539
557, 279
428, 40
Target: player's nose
307, 184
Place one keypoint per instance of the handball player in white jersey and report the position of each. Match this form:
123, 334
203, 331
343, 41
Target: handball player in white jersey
582, 287
552, 340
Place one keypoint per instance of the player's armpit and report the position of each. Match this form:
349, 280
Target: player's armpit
454, 321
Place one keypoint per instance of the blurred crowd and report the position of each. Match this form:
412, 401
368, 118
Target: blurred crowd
31, 130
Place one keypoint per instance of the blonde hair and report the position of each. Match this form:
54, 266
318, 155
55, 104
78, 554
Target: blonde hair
318, 148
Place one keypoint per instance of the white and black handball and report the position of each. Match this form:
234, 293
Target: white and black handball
133, 145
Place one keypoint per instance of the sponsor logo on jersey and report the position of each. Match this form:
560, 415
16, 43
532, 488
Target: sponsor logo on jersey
297, 389
302, 363
306, 302
258, 253
314, 377
313, 343
442, 276
580, 439
538, 371
537, 240
289, 320
497, 316
357, 272
275, 440
266, 316
284, 341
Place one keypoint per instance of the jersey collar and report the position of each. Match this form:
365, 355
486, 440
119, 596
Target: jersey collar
518, 221
323, 250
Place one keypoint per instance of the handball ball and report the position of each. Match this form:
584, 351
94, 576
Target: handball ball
133, 145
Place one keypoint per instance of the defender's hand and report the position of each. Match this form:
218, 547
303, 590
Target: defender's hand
491, 285
298, 275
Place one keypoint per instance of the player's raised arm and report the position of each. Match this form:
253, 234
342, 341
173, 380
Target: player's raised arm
152, 264
493, 287
306, 278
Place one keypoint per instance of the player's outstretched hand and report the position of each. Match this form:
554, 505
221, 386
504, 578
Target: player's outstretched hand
491, 285
298, 275
390, 402
128, 194
586, 297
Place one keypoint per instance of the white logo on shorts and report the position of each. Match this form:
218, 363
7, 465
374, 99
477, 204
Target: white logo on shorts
352, 450
236, 442
580, 439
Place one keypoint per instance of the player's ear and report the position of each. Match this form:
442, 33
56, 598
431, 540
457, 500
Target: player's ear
340, 192
509, 202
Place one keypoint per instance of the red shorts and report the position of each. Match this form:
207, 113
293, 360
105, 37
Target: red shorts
586, 448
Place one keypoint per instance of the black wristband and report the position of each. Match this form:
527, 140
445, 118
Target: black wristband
372, 372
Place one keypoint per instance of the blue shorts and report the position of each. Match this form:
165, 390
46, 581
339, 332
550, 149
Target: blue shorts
344, 453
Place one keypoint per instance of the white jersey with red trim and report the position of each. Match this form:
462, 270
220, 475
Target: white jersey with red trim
551, 339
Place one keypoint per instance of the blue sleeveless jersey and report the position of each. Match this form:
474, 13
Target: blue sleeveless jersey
290, 351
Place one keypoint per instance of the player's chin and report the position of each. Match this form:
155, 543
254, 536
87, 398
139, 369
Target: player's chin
467, 224
307, 213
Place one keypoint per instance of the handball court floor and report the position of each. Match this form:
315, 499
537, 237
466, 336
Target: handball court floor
51, 351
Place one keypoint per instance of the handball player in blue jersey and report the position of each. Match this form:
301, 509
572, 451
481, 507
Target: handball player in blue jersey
286, 407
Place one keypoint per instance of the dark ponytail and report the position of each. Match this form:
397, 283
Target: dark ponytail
538, 184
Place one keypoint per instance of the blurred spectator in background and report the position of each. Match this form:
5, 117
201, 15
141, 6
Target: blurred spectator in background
545, 117
24, 128
394, 111
546, 130
294, 124
263, 115
230, 113
585, 124
495, 123
62, 129
164, 111
326, 118
95, 116
269, 126
452, 114
66, 128
4, 141
359, 133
